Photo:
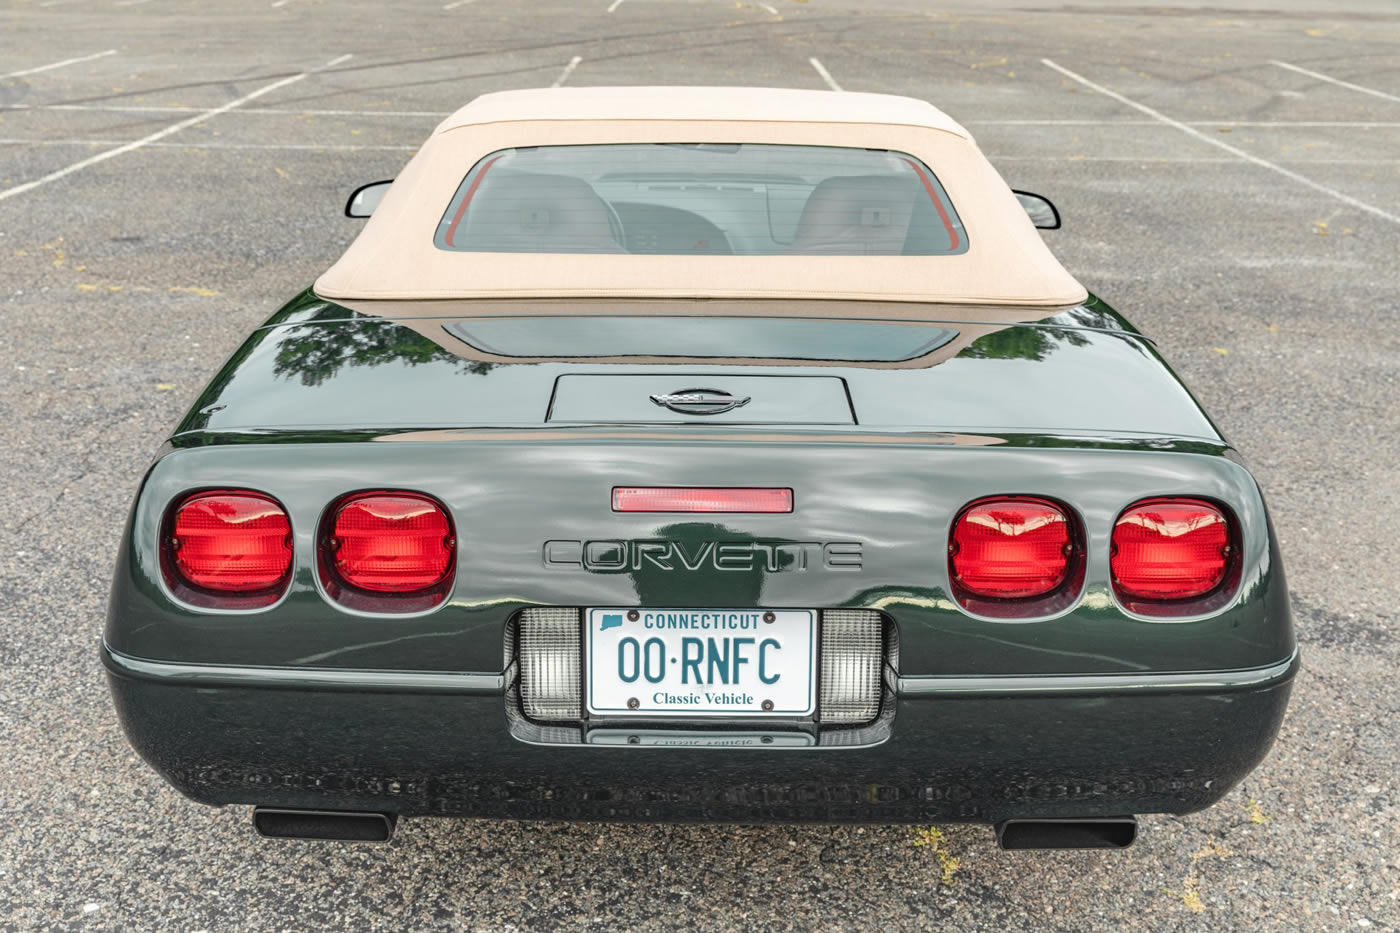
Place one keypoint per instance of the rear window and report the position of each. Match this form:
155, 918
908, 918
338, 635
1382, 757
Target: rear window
701, 337
702, 199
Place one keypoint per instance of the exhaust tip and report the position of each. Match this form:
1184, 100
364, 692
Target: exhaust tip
1114, 832
324, 825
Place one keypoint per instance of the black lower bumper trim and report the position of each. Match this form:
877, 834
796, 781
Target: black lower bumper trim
947, 758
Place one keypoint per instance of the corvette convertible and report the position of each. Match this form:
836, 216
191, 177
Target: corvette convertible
700, 454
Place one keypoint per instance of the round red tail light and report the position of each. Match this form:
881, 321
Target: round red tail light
232, 542
1170, 549
396, 543
1010, 548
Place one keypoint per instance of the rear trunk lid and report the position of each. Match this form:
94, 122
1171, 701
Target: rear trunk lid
319, 366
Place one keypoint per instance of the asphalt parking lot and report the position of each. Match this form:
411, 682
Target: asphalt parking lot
172, 172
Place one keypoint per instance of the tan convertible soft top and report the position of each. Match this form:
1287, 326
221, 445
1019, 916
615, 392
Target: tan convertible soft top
394, 257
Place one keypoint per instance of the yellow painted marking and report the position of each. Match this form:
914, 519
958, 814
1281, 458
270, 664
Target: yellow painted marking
1256, 814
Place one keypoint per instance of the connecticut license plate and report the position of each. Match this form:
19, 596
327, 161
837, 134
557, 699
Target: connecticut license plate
701, 662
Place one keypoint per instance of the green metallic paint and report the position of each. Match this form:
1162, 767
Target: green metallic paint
477, 440
493, 486
1101, 684
492, 684
950, 758
303, 678
319, 367
1090, 711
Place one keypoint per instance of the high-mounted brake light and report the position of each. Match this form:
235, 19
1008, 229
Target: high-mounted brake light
699, 499
389, 544
1170, 549
1010, 548
230, 548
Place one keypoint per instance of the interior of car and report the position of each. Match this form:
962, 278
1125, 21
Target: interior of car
702, 199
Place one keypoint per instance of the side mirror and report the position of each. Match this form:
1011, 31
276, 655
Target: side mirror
364, 199
1042, 213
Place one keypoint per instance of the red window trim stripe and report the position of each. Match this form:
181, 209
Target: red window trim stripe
954, 241
467, 199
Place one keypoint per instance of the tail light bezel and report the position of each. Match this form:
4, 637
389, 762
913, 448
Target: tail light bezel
1058, 600
190, 593
348, 596
1191, 607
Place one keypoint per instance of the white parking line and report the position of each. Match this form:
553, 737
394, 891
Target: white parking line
1353, 124
168, 131
1337, 81
1333, 124
615, 5
277, 111
63, 64
131, 2
278, 147
568, 70
456, 3
826, 75
1168, 160
764, 6
277, 3
1233, 150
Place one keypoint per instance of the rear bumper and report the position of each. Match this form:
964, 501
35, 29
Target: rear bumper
957, 749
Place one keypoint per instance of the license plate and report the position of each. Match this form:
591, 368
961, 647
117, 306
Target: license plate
713, 663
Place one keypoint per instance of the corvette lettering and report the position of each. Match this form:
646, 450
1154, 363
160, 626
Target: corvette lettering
621, 555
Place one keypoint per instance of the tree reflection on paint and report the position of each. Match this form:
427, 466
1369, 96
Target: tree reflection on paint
706, 585
316, 351
1022, 343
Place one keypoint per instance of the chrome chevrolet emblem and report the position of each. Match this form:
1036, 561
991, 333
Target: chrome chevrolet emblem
700, 401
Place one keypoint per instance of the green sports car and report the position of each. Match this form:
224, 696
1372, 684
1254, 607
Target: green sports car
700, 454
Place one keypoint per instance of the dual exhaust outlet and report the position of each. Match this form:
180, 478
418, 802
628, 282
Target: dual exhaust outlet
1112, 832
1116, 832
324, 825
